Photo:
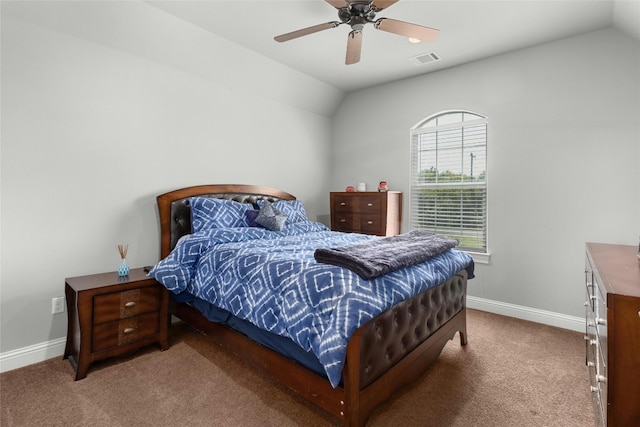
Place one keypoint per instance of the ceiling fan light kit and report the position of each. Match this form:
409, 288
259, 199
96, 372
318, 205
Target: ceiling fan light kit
357, 14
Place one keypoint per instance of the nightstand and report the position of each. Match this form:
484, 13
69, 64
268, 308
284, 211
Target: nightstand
109, 315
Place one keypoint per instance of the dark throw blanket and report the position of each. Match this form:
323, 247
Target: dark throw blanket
378, 257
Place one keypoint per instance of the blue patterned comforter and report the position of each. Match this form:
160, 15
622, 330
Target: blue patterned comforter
272, 280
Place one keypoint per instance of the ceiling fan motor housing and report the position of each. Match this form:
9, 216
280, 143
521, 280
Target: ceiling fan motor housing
357, 12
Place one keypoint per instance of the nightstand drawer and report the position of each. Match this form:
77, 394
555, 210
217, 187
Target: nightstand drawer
124, 331
121, 305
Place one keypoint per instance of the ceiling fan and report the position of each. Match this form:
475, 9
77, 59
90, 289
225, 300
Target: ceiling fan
358, 13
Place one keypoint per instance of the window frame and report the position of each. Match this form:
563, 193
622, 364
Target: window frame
426, 126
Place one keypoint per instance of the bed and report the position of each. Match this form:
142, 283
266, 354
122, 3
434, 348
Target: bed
383, 353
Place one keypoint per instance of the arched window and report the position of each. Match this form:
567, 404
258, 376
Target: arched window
449, 177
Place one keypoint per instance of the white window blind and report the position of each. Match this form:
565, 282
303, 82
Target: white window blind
449, 178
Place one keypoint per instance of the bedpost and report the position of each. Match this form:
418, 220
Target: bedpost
351, 414
463, 326
164, 212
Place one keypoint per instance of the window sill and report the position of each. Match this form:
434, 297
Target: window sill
480, 258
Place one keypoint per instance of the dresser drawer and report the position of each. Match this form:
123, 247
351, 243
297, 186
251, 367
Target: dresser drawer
371, 224
367, 204
343, 222
592, 361
599, 319
121, 305
124, 331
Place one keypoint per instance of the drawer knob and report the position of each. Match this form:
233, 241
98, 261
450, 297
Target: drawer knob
343, 220
370, 204
591, 364
601, 321
130, 304
601, 378
343, 204
128, 330
369, 222
594, 389
586, 304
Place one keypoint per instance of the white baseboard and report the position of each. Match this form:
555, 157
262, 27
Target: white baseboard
15, 359
21, 357
527, 313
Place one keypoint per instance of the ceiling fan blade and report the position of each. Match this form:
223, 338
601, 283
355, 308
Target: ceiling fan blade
378, 5
354, 47
338, 4
306, 31
407, 29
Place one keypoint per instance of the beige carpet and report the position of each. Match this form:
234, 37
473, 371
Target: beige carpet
512, 373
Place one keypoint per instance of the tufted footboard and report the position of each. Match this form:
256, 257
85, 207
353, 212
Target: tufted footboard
394, 348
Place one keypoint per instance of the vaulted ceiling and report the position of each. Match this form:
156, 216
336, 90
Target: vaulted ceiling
469, 30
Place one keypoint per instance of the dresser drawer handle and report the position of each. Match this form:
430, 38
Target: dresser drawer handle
370, 204
594, 389
343, 220
343, 204
369, 222
128, 330
601, 378
130, 304
591, 364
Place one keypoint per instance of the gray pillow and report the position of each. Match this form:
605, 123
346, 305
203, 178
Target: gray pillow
271, 218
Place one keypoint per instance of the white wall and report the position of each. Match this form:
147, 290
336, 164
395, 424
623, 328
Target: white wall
93, 129
563, 150
103, 108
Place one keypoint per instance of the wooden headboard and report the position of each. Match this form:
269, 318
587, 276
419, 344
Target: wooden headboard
175, 212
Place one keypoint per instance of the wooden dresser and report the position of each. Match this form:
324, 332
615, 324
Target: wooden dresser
109, 315
612, 276
378, 213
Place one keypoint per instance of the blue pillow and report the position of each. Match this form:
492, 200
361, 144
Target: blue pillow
251, 216
271, 218
208, 212
293, 209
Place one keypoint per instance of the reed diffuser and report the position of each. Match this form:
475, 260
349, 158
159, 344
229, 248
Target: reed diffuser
123, 270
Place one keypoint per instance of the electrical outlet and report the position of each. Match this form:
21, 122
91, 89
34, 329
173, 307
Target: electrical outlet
57, 305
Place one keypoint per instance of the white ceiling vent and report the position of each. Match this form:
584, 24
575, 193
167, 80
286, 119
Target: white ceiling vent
424, 58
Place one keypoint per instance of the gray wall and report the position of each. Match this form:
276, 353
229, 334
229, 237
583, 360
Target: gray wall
103, 108
563, 150
97, 122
